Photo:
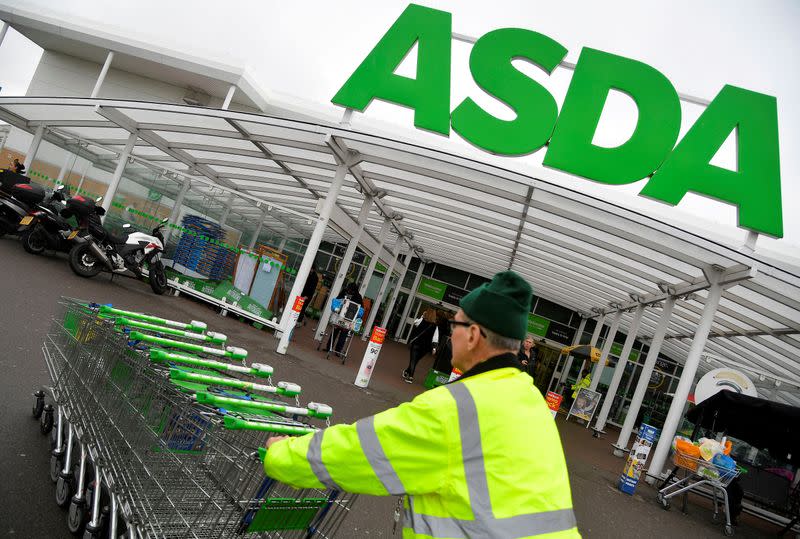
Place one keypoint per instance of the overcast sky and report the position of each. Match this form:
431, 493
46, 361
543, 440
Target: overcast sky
306, 50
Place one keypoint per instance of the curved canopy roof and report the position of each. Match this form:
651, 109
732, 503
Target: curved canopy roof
576, 250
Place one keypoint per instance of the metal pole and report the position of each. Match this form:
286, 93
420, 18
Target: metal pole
620, 368
411, 298
229, 97
33, 148
83, 176
311, 254
63, 171
593, 341
254, 239
123, 160
575, 340
644, 377
373, 311
687, 377
103, 73
282, 244
3, 31
395, 292
374, 260
598, 369
227, 211
176, 209
336, 287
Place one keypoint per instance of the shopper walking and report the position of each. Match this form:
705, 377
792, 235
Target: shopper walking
420, 342
526, 355
479, 457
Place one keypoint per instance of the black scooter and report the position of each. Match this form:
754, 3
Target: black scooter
44, 228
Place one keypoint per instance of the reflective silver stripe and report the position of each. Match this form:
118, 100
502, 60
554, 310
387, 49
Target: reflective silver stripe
376, 457
314, 457
472, 452
501, 528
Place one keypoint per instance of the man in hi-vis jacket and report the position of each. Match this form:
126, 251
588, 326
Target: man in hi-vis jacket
479, 457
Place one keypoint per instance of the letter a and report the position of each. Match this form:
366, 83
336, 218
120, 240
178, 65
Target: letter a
429, 93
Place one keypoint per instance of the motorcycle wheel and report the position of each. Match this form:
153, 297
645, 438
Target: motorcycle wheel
158, 278
83, 262
34, 241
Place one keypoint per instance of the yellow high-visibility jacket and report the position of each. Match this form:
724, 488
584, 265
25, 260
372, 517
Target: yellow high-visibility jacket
480, 457
586, 382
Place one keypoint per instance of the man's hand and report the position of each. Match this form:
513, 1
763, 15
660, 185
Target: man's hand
524, 362
275, 439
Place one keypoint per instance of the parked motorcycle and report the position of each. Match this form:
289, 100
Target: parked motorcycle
97, 249
16, 199
43, 228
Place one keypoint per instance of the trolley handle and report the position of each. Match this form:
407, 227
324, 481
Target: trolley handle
194, 325
210, 337
231, 352
237, 423
258, 370
178, 374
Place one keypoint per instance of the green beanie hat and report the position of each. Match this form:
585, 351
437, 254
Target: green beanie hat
502, 305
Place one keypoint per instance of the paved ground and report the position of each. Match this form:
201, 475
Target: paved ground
30, 288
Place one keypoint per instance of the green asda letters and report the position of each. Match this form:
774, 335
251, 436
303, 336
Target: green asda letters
649, 151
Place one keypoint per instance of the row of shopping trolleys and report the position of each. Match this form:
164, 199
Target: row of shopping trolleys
158, 429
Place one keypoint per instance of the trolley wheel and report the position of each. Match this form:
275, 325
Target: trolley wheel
46, 421
38, 405
55, 466
76, 517
63, 491
663, 501
728, 530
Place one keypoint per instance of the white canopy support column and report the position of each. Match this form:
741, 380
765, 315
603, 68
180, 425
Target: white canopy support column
282, 244
257, 232
374, 258
64, 167
575, 340
675, 413
227, 211
176, 209
34, 147
373, 311
338, 282
103, 73
310, 254
3, 31
390, 307
121, 163
612, 332
229, 97
620, 368
411, 298
644, 377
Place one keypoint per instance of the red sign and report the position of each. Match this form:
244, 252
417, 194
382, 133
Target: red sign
298, 303
378, 335
554, 400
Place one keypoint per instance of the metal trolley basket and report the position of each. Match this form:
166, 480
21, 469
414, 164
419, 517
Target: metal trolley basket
171, 443
700, 473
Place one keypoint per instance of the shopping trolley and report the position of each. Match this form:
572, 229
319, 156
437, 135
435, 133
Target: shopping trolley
701, 473
343, 323
171, 456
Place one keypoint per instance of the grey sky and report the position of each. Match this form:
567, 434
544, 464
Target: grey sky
306, 50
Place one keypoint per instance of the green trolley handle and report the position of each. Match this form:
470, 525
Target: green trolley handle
231, 352
194, 325
256, 369
237, 423
317, 410
286, 389
209, 337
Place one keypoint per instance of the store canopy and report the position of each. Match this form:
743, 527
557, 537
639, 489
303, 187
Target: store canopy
578, 251
759, 422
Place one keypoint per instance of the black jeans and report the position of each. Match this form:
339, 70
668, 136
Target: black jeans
415, 354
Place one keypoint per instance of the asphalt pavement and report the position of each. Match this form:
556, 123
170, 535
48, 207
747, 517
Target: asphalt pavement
30, 288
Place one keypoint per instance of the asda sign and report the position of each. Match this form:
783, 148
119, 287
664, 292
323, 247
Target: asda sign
652, 151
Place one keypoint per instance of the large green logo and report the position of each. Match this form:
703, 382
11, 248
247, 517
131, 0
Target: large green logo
650, 151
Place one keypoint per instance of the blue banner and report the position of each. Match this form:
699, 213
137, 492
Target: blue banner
637, 458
